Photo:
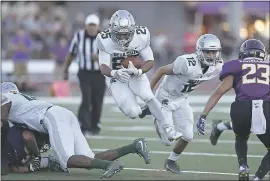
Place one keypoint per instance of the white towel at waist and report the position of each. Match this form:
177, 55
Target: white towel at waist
258, 122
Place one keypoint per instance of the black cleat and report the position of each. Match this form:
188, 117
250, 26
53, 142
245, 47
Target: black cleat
145, 111
215, 133
244, 175
172, 166
115, 167
54, 165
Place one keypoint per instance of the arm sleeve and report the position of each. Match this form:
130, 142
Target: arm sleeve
73, 48
180, 66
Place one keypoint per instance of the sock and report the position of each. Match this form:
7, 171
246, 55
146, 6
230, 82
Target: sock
173, 156
44, 163
243, 167
155, 109
241, 149
222, 126
126, 150
100, 164
228, 125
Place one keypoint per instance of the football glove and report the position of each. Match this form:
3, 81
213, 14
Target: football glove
121, 75
201, 125
132, 70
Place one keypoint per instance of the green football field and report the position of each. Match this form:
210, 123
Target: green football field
200, 161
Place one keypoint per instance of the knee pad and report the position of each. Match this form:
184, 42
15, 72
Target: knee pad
188, 136
147, 96
134, 112
131, 111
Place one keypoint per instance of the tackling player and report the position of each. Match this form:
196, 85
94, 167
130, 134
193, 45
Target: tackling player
182, 77
66, 138
123, 39
250, 112
18, 153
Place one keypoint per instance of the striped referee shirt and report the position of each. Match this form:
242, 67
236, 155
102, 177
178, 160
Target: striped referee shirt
83, 46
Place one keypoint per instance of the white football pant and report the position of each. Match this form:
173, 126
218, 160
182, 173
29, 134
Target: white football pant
125, 94
65, 135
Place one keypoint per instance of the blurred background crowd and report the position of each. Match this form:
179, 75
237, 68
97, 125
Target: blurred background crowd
42, 31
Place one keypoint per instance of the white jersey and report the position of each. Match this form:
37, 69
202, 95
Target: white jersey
26, 110
188, 75
111, 54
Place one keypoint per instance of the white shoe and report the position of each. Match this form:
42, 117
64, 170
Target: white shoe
172, 134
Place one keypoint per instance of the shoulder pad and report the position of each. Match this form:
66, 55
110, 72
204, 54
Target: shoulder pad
143, 33
186, 64
100, 42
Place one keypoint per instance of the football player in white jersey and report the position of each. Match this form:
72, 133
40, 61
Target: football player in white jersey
66, 139
123, 39
182, 77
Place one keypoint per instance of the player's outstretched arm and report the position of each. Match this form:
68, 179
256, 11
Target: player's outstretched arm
224, 87
164, 70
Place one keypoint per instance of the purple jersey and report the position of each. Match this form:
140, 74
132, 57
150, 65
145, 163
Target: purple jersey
251, 78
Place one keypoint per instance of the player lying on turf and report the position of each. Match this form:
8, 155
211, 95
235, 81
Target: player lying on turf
250, 112
124, 39
66, 138
182, 77
20, 148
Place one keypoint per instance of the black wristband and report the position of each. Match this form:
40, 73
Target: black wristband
203, 116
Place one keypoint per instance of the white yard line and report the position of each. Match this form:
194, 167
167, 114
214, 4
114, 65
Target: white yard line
132, 128
196, 109
193, 154
107, 137
199, 172
109, 100
198, 99
187, 171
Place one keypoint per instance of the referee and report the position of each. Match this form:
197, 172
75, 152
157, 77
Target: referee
92, 83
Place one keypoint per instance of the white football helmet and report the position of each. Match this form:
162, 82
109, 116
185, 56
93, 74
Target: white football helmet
208, 49
122, 26
9, 87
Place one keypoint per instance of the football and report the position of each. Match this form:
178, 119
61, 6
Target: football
137, 62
